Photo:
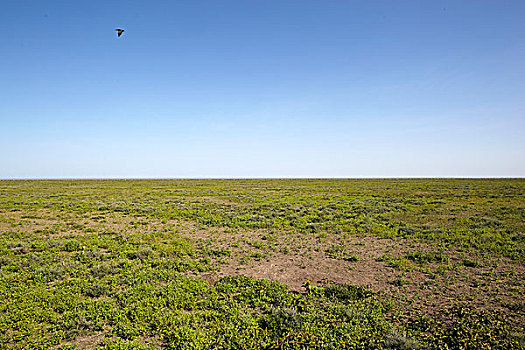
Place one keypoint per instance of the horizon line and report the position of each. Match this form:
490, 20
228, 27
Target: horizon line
263, 178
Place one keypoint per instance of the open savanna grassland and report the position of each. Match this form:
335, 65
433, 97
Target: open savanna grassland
262, 264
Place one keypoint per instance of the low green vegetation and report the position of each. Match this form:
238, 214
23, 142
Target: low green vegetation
126, 264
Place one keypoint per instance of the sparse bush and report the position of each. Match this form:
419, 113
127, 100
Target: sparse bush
399, 282
280, 320
104, 269
427, 257
95, 290
396, 341
346, 292
339, 252
471, 263
4, 261
142, 253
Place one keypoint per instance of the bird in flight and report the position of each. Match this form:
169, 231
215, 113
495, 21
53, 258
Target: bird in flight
119, 32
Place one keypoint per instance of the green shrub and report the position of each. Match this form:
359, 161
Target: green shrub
346, 292
95, 290
427, 257
142, 253
471, 263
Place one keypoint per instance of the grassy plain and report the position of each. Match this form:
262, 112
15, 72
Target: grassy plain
262, 264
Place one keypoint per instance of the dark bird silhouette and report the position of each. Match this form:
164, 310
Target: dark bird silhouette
119, 32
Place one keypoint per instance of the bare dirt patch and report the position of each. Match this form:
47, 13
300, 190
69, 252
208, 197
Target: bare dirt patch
85, 341
430, 287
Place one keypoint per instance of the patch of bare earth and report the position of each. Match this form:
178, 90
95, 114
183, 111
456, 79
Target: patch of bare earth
85, 341
426, 288
94, 341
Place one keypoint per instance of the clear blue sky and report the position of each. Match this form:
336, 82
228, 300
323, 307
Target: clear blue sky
262, 88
